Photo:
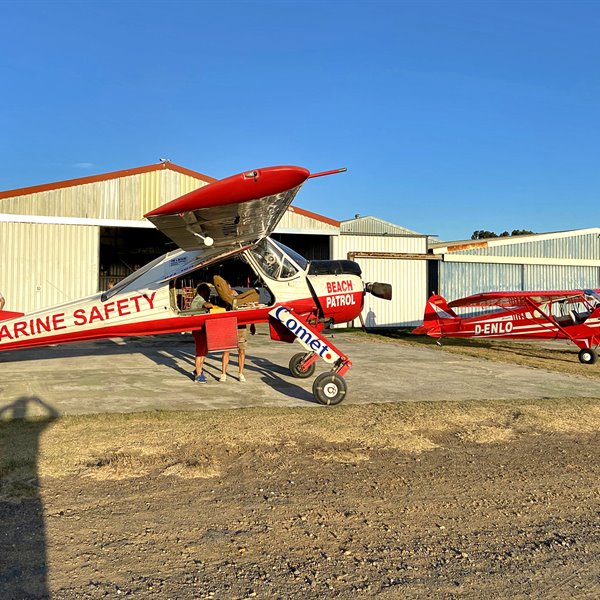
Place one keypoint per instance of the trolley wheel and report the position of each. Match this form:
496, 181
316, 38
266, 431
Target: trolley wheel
329, 388
295, 366
588, 356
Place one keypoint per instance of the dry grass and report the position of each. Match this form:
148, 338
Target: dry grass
117, 446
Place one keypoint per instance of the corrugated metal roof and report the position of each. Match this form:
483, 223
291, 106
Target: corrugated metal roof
373, 226
495, 245
105, 177
127, 195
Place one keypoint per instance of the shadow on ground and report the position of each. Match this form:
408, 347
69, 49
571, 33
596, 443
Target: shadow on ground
23, 547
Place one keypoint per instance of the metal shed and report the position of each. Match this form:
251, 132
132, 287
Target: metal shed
391, 254
65, 240
551, 261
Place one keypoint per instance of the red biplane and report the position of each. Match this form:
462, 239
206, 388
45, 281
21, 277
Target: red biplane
229, 219
554, 315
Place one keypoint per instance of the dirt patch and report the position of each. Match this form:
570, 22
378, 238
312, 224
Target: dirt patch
440, 500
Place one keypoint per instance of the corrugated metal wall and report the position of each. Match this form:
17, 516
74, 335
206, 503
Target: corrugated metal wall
46, 264
345, 243
576, 247
373, 226
126, 198
458, 280
407, 277
42, 265
560, 277
409, 284
295, 222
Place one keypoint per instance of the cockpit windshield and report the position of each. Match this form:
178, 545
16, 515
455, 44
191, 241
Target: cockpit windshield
276, 260
297, 258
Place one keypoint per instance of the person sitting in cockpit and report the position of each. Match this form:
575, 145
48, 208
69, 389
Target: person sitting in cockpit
200, 301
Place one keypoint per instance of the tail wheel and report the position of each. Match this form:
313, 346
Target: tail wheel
588, 356
295, 369
329, 388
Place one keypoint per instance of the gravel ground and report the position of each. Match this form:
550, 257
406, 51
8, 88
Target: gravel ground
491, 500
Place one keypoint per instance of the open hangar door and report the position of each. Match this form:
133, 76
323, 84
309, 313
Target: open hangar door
310, 246
123, 250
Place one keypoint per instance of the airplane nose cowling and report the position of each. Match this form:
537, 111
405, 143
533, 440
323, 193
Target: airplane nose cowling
379, 290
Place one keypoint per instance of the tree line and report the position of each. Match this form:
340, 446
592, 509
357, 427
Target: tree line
482, 234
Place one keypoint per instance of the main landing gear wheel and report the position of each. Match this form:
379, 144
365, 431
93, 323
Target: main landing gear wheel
329, 388
588, 356
295, 367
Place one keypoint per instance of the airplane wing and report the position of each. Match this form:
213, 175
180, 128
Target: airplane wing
233, 213
513, 299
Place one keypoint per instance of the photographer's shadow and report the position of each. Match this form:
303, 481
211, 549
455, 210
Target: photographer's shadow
23, 557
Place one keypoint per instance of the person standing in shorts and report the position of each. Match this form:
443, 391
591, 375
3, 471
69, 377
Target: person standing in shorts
200, 303
242, 343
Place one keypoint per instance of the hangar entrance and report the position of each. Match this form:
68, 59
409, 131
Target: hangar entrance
124, 250
311, 247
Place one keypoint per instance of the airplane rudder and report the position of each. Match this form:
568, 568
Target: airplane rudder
437, 308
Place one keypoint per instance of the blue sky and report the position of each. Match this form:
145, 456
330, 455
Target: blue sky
450, 116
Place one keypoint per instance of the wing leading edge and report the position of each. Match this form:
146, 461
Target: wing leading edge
514, 299
234, 212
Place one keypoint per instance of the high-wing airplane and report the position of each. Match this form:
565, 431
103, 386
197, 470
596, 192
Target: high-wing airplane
230, 218
563, 315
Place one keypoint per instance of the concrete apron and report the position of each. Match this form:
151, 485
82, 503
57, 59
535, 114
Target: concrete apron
154, 373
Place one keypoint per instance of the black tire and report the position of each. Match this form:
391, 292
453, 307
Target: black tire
587, 356
329, 389
295, 366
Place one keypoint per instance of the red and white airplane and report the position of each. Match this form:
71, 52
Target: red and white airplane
231, 217
556, 315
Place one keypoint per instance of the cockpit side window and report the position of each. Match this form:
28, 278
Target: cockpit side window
287, 269
273, 261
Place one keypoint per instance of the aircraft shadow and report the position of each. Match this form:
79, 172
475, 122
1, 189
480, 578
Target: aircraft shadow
172, 357
533, 349
23, 547
108, 347
270, 374
171, 351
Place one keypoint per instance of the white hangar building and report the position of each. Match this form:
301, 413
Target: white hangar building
563, 260
390, 254
66, 240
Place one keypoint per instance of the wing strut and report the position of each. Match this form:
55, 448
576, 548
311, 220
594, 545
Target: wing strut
550, 319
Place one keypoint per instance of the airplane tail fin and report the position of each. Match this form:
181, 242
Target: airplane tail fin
438, 318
